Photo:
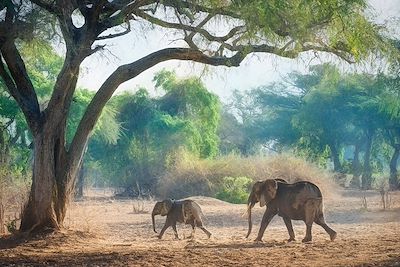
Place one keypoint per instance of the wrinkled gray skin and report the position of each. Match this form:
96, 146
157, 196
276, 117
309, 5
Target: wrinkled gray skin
183, 211
297, 201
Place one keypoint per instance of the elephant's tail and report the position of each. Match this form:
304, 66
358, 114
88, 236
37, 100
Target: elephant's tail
197, 210
197, 206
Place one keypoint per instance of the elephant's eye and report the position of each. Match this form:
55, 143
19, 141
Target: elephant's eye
271, 191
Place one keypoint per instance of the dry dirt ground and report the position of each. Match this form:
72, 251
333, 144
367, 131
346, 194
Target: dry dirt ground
102, 231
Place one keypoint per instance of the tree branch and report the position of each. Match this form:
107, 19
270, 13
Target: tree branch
126, 8
129, 71
184, 27
64, 89
19, 84
47, 6
201, 8
114, 35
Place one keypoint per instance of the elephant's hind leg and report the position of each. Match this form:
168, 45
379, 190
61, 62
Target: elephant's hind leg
175, 231
200, 225
321, 221
193, 229
205, 231
310, 214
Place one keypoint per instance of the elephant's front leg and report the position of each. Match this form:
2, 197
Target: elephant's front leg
268, 215
288, 223
166, 225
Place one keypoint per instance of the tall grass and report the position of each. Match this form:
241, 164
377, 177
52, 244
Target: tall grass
191, 176
14, 191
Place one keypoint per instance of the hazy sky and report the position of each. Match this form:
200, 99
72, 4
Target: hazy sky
255, 70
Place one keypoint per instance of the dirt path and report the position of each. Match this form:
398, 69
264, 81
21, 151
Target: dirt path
105, 232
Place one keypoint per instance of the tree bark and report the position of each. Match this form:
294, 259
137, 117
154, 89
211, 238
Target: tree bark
393, 178
52, 183
80, 182
356, 168
53, 176
337, 166
40, 212
366, 178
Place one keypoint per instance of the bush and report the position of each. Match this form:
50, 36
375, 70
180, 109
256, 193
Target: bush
235, 189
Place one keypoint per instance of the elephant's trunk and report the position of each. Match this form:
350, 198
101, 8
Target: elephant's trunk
153, 221
250, 204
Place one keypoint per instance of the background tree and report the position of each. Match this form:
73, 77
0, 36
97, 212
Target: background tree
389, 107
282, 28
154, 131
328, 114
107, 130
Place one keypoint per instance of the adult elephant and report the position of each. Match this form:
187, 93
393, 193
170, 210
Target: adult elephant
297, 201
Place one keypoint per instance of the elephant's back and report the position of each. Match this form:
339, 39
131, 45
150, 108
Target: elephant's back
306, 188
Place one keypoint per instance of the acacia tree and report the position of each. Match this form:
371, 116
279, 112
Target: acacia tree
283, 28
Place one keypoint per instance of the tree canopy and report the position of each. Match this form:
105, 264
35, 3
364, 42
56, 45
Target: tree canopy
328, 114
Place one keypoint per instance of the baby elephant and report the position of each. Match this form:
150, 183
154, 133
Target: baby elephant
184, 211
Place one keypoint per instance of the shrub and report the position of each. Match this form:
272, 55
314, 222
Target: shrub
234, 189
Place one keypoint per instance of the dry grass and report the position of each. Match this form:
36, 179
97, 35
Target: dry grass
139, 207
105, 232
191, 176
14, 192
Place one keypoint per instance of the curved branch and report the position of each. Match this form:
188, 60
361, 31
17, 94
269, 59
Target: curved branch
127, 72
114, 35
19, 84
126, 8
184, 27
201, 8
324, 48
45, 5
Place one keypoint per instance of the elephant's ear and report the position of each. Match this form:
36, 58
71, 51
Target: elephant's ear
167, 205
262, 200
270, 188
257, 194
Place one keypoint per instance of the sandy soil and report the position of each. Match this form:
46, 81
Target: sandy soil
102, 231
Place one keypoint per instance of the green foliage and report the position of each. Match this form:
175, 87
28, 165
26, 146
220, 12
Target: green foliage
234, 189
42, 64
342, 23
189, 99
323, 115
107, 129
154, 129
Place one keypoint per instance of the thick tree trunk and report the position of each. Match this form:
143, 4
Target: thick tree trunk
356, 168
393, 178
40, 212
366, 178
337, 166
4, 148
52, 183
